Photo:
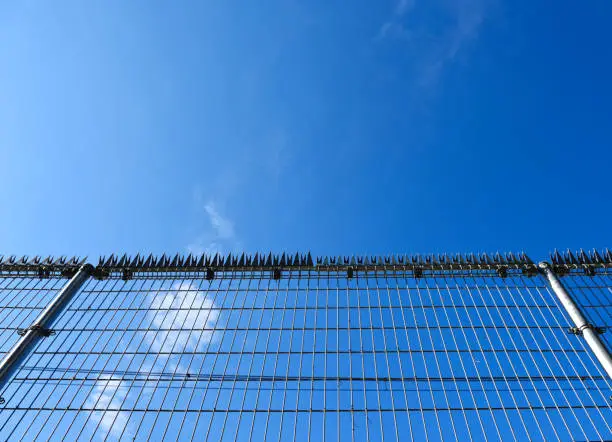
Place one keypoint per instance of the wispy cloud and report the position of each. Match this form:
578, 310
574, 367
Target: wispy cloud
218, 235
435, 32
223, 227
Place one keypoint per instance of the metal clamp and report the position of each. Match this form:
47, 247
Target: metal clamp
46, 332
350, 272
578, 330
127, 274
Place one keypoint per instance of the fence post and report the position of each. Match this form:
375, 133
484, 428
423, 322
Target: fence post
591, 335
29, 336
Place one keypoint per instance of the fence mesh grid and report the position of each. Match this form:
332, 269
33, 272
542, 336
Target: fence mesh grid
315, 355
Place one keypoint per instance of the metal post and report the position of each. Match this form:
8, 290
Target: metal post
20, 350
582, 325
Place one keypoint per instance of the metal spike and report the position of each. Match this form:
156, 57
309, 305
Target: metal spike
596, 257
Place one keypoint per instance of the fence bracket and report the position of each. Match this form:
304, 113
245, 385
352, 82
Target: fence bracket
45, 332
581, 326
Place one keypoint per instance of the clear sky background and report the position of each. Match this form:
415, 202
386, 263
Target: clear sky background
338, 127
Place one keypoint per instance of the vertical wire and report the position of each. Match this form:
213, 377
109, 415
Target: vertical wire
263, 364
397, 343
504, 349
338, 393
286, 381
325, 354
463, 368
471, 353
250, 369
561, 310
535, 340
314, 349
425, 364
241, 355
299, 377
276, 358
386, 349
265, 353
410, 355
376, 377
217, 327
229, 356
483, 323
362, 358
220, 296
350, 358
203, 332
172, 349
443, 382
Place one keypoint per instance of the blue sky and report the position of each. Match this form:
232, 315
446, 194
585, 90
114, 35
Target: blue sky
369, 127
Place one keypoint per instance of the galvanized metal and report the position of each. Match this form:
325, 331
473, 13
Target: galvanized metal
39, 327
583, 327
295, 347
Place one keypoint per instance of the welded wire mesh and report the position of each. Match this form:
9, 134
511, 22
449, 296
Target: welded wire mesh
21, 301
318, 354
593, 293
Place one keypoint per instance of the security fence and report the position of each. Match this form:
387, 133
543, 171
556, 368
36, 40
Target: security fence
288, 348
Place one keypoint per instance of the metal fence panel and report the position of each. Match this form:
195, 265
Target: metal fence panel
383, 350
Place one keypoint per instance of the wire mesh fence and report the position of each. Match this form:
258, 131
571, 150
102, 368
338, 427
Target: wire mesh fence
378, 349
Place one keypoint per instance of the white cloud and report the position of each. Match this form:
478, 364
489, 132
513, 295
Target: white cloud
109, 393
197, 312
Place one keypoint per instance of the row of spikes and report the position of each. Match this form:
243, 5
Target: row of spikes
481, 259
206, 261
581, 257
305, 260
37, 261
